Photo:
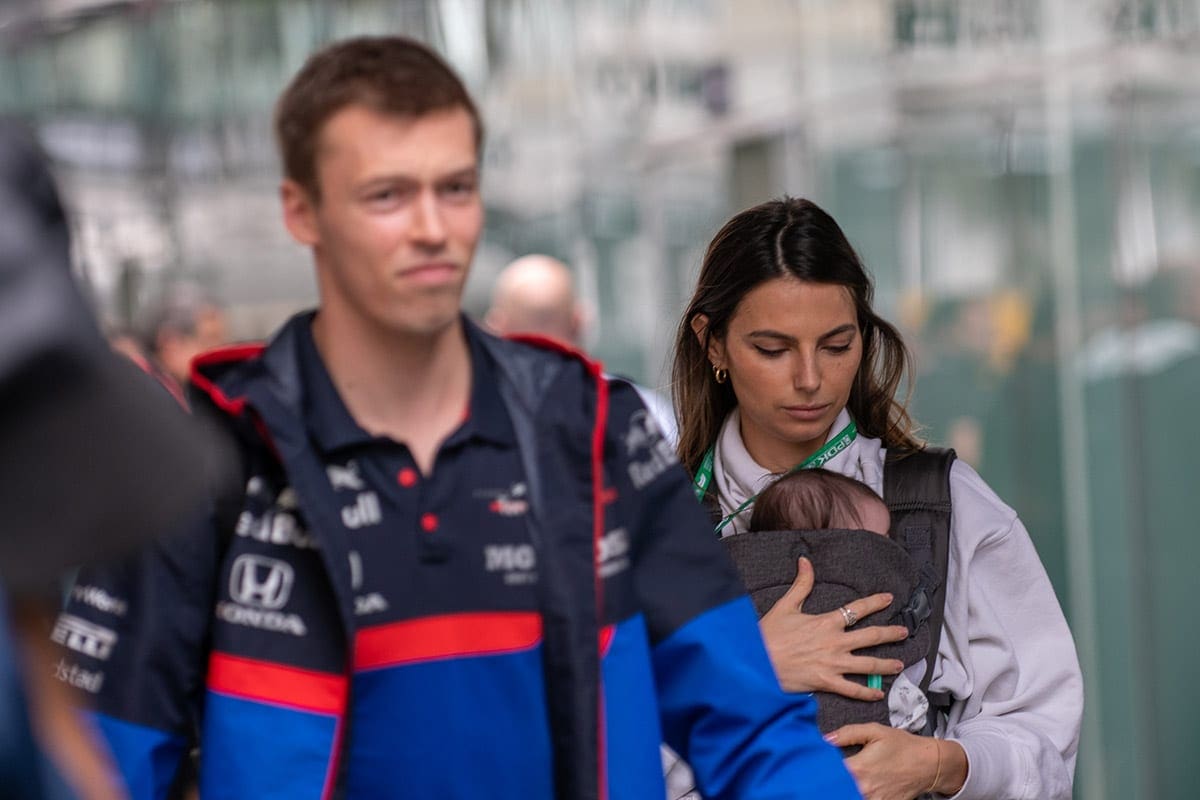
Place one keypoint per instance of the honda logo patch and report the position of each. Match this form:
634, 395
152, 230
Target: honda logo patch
261, 582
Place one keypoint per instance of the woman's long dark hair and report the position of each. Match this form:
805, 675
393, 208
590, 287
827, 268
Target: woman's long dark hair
784, 238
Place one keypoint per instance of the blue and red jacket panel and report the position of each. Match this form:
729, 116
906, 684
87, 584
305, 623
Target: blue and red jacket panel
261, 642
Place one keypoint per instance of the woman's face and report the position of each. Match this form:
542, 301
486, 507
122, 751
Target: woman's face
792, 350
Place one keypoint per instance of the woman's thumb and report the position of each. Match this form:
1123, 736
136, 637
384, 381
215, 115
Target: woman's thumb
797, 593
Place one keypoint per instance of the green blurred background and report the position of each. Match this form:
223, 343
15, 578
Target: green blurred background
1021, 176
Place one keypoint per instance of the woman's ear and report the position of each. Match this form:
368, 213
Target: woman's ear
715, 347
699, 323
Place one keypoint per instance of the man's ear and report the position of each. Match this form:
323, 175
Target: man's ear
714, 345
581, 318
299, 213
494, 321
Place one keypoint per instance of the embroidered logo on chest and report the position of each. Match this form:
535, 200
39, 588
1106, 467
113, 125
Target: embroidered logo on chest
510, 502
517, 562
365, 510
273, 520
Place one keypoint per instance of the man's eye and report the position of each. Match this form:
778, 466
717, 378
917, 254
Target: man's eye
459, 188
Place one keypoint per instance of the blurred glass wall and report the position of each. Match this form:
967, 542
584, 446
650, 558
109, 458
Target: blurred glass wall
1022, 177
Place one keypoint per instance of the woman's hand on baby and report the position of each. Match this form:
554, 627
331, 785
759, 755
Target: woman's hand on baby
898, 765
892, 764
815, 652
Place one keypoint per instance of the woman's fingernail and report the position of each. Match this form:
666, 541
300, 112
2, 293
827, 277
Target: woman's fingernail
831, 738
888, 597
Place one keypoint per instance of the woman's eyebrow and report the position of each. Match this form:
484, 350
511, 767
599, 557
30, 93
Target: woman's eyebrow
840, 329
767, 333
770, 334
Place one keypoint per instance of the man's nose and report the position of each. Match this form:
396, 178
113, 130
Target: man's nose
428, 228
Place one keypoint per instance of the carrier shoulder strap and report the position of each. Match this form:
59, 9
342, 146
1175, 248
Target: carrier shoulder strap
916, 488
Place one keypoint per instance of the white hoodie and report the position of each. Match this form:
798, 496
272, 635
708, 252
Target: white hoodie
1006, 654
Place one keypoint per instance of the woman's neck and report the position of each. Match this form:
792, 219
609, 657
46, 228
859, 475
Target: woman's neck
772, 453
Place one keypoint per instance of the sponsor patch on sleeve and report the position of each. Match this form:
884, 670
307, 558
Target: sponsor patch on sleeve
647, 450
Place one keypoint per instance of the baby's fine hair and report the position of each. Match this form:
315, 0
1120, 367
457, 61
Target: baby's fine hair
811, 499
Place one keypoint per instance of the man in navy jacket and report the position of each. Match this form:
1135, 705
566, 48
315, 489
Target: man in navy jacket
459, 566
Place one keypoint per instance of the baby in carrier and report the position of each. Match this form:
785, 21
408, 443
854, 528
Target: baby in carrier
842, 527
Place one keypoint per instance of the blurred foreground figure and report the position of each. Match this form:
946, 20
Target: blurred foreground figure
536, 295
93, 459
456, 566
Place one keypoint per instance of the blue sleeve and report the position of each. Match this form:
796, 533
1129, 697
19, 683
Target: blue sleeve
723, 711
133, 642
721, 705
147, 758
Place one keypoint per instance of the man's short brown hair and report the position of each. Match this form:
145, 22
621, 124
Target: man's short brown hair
388, 74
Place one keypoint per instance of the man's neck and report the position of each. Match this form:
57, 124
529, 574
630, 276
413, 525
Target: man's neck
413, 389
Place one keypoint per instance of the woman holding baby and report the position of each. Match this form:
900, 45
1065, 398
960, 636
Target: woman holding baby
780, 360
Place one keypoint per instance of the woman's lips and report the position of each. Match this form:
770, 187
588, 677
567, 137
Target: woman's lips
806, 413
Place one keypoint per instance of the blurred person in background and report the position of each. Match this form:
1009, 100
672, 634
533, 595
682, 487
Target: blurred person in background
458, 566
127, 342
536, 295
91, 465
184, 323
780, 362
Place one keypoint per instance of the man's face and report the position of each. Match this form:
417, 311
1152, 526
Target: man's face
398, 217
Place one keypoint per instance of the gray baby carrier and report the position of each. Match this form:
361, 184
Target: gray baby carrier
910, 563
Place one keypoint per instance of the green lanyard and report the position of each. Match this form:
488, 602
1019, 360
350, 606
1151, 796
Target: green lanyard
818, 459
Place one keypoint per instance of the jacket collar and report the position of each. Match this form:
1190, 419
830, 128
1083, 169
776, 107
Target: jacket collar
299, 382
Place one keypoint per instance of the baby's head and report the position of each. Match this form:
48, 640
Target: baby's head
814, 499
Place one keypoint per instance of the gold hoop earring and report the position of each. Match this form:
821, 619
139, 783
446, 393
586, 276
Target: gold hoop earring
720, 375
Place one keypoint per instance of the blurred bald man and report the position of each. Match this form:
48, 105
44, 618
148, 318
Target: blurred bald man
536, 295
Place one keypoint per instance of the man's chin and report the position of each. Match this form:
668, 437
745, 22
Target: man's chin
429, 324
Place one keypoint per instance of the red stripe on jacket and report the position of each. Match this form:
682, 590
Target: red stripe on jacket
265, 682
446, 636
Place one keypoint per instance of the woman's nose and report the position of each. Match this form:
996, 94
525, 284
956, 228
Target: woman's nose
807, 376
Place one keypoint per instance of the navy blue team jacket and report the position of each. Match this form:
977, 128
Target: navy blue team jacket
262, 640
